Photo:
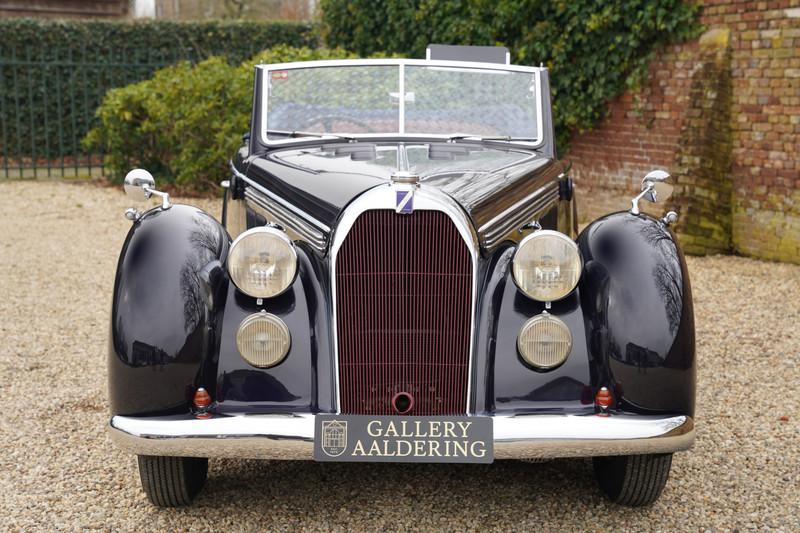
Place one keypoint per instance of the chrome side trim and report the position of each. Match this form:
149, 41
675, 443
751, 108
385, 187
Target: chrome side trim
297, 228
509, 221
292, 436
236, 221
298, 224
425, 198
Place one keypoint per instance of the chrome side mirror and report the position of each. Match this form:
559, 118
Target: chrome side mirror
656, 184
140, 186
654, 189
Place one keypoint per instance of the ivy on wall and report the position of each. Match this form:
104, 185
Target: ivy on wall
594, 49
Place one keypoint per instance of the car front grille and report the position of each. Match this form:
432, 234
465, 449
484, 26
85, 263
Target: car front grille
403, 305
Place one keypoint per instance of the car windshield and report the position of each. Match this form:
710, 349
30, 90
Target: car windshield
407, 97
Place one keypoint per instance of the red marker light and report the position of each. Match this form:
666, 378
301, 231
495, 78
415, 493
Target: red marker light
201, 402
603, 400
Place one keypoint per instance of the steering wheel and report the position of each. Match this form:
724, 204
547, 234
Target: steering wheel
328, 120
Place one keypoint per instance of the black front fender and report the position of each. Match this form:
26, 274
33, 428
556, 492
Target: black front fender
638, 314
168, 294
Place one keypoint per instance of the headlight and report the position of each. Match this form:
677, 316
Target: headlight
544, 342
547, 265
263, 340
262, 262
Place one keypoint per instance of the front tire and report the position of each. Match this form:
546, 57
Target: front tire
172, 481
633, 480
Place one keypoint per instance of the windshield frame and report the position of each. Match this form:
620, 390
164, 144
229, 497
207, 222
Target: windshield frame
263, 71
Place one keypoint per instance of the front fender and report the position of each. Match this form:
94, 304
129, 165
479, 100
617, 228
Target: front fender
304, 381
168, 294
638, 314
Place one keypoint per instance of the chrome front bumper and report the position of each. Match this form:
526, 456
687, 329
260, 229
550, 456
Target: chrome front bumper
292, 436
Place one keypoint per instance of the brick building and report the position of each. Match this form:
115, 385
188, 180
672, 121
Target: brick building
59, 9
302, 10
722, 115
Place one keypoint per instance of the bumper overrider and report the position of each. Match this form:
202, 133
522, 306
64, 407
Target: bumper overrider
292, 436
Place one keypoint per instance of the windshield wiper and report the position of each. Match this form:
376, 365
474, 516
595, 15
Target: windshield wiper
459, 137
296, 134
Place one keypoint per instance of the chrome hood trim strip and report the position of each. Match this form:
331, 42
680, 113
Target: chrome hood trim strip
509, 221
296, 227
298, 224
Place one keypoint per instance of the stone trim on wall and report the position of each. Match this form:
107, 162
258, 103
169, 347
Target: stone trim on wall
702, 168
722, 115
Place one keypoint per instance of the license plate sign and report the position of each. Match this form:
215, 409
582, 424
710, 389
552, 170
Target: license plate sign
406, 439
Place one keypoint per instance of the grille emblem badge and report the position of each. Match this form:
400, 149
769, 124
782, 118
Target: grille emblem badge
405, 202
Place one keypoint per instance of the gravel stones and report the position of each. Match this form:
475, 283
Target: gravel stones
59, 244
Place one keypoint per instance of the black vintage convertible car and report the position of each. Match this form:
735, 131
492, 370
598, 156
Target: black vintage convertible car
398, 276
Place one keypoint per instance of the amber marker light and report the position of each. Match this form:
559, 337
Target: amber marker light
201, 403
603, 400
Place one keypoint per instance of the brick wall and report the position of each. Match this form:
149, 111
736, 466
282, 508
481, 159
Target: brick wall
60, 9
301, 10
722, 114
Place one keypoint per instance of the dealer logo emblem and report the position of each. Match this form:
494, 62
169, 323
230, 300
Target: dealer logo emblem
334, 437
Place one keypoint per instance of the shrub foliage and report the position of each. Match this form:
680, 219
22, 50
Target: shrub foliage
191, 40
186, 122
595, 50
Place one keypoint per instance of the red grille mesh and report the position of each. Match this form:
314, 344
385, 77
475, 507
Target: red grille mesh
403, 299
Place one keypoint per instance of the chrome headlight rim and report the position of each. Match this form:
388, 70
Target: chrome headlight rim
530, 323
274, 320
269, 230
544, 233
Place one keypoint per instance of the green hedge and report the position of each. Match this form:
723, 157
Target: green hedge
54, 74
186, 122
184, 40
594, 49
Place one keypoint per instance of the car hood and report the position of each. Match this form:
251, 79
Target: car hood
322, 180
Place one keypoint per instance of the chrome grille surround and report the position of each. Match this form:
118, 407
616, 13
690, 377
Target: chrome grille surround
383, 197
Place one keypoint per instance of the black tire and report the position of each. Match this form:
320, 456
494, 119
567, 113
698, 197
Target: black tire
633, 480
172, 481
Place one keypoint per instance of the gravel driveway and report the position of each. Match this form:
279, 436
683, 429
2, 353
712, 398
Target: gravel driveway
58, 251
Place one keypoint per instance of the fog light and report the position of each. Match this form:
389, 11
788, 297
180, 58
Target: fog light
544, 342
263, 340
